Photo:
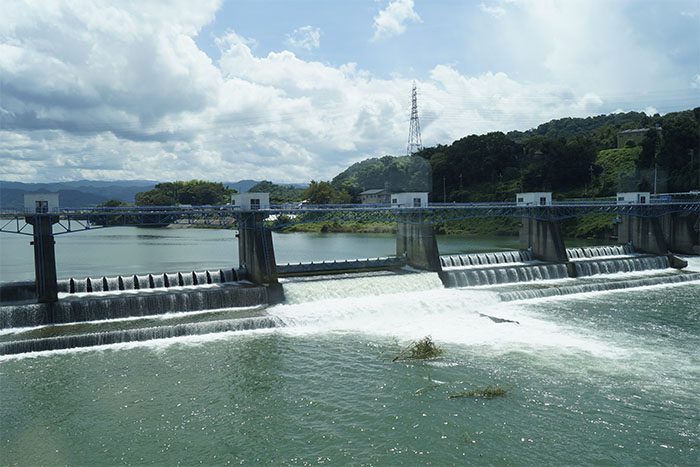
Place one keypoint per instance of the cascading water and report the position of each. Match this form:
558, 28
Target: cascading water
479, 259
616, 265
92, 307
597, 251
303, 290
599, 286
145, 281
469, 277
133, 335
501, 267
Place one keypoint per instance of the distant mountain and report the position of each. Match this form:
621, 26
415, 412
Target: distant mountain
74, 193
242, 186
122, 190
12, 198
81, 193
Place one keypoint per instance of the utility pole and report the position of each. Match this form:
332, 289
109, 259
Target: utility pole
414, 139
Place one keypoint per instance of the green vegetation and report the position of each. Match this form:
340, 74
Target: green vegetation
489, 392
113, 203
279, 194
407, 173
573, 157
423, 349
325, 193
498, 226
194, 192
617, 170
337, 226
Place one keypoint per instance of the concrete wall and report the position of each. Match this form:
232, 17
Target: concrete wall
682, 232
416, 240
256, 254
644, 233
544, 239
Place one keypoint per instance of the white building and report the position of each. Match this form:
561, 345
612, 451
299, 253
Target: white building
409, 200
40, 202
540, 198
251, 201
634, 197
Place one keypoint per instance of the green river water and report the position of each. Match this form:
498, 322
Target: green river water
596, 378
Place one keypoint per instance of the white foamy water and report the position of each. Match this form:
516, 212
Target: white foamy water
693, 262
368, 285
448, 315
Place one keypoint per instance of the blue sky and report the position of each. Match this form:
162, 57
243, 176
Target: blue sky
298, 90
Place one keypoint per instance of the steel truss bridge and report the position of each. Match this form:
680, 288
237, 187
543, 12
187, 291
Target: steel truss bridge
67, 220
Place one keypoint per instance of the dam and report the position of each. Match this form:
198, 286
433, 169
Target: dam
259, 280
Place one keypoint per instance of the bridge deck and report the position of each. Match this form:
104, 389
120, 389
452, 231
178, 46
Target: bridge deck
225, 216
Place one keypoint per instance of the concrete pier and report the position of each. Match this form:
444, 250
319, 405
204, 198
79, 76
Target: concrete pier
416, 241
44, 257
682, 232
644, 233
256, 254
544, 239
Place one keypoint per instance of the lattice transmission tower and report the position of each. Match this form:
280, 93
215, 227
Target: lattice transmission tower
414, 141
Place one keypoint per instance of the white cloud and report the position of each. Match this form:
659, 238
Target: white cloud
391, 21
496, 10
305, 37
124, 92
695, 83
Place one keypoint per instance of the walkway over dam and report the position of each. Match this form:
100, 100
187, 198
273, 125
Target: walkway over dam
657, 228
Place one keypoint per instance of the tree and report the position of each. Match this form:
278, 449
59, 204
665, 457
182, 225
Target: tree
325, 193
195, 192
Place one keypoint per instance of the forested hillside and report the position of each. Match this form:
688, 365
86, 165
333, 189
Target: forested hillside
571, 156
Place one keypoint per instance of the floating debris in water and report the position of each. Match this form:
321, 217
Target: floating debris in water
498, 320
489, 392
423, 349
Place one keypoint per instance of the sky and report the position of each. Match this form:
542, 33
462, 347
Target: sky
295, 90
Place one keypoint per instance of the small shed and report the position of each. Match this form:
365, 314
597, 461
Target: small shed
417, 199
539, 198
375, 196
634, 197
251, 201
41, 203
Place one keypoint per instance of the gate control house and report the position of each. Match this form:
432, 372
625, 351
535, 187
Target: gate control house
251, 201
40, 203
409, 200
543, 198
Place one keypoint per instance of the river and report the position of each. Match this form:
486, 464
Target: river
601, 377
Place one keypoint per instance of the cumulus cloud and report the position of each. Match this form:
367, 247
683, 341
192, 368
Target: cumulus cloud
496, 10
391, 21
123, 92
305, 37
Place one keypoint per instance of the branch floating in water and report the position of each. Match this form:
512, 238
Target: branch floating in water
421, 350
489, 392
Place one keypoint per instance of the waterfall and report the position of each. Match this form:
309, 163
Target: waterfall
145, 281
475, 259
583, 287
133, 335
100, 307
302, 290
468, 277
616, 265
597, 251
